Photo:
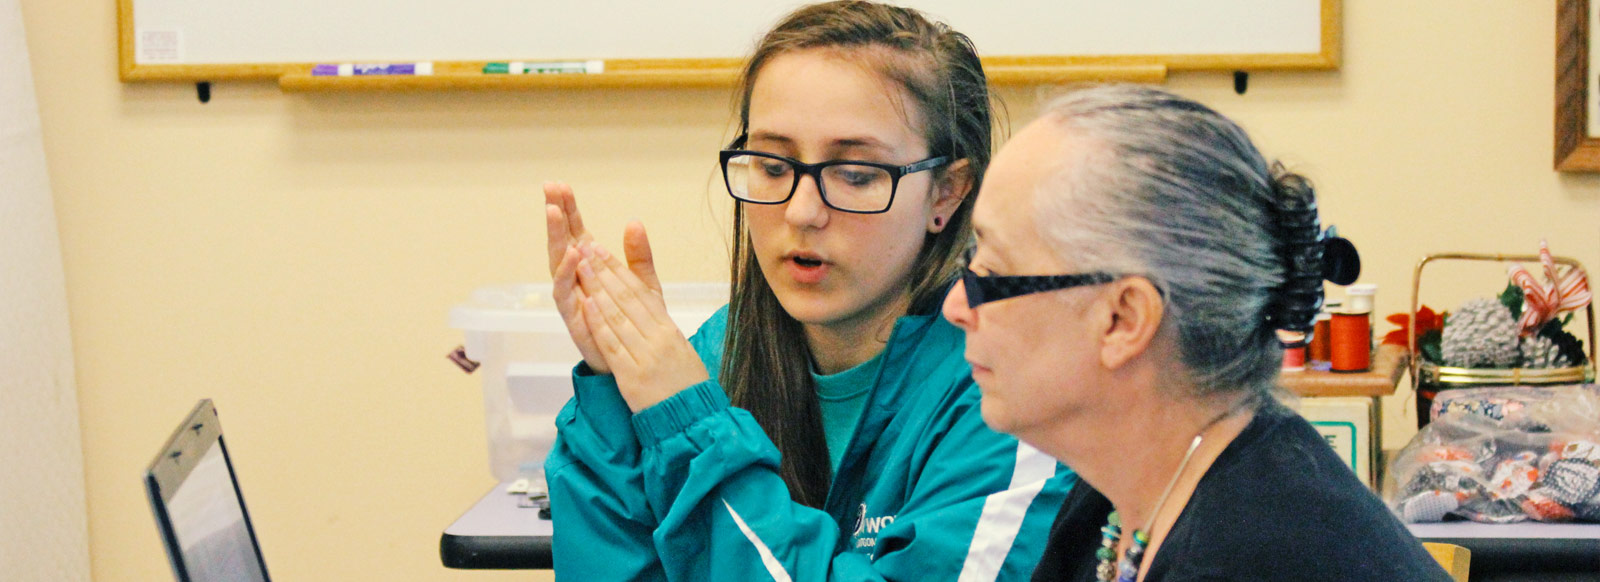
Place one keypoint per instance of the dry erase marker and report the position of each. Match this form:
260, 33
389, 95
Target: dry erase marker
589, 67
347, 69
522, 68
422, 68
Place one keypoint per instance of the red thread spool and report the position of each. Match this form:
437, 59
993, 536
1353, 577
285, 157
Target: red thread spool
1294, 359
1350, 342
1321, 348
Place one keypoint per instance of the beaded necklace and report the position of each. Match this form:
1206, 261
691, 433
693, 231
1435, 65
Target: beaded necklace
1127, 569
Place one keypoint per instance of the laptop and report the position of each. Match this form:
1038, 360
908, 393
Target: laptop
198, 506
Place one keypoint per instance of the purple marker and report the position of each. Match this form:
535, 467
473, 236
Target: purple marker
347, 70
424, 68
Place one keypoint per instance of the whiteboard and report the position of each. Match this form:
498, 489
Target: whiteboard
269, 37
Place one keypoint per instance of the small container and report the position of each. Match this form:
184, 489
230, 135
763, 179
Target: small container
1351, 342
526, 357
1359, 297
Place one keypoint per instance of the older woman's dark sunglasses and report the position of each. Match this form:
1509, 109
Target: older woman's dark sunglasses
983, 289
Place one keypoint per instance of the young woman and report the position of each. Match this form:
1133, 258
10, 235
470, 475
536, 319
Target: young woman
1136, 257
824, 425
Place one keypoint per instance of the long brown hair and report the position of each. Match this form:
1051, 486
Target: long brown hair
766, 364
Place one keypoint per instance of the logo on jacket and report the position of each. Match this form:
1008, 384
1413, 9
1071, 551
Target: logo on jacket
867, 527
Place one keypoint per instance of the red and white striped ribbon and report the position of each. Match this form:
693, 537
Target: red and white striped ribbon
1567, 291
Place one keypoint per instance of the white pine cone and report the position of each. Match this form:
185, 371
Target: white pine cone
1481, 334
1540, 352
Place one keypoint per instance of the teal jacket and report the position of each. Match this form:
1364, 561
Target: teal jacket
688, 489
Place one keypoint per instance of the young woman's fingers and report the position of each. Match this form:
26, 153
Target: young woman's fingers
618, 321
559, 195
641, 263
636, 301
636, 247
569, 205
569, 303
564, 277
557, 241
564, 286
616, 354
610, 261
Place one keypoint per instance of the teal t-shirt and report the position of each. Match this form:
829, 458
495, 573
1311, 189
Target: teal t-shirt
842, 397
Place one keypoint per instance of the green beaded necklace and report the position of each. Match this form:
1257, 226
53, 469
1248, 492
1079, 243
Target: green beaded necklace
1127, 569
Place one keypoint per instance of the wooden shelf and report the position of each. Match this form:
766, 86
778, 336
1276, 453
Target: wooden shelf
1387, 364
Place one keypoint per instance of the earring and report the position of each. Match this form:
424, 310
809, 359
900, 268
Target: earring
938, 222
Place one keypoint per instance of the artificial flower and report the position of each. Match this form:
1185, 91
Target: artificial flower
1427, 321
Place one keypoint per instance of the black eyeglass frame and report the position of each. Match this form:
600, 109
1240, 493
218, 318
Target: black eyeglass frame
815, 171
981, 289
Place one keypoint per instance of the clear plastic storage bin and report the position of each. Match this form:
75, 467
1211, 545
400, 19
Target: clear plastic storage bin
526, 359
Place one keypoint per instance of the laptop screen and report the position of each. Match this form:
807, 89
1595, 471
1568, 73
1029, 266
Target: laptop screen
199, 508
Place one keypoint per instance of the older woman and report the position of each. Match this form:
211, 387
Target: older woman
1136, 258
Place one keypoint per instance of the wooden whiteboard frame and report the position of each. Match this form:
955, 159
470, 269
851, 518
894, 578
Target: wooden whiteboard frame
645, 73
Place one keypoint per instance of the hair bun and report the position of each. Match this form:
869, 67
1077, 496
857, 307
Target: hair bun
1309, 255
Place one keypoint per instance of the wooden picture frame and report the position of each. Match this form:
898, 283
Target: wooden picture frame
1577, 139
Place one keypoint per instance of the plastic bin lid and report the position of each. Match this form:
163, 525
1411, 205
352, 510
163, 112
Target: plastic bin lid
528, 307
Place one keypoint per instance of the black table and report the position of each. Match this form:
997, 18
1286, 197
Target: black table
1520, 547
496, 534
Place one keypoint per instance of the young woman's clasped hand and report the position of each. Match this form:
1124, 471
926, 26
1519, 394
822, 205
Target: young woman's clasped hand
614, 309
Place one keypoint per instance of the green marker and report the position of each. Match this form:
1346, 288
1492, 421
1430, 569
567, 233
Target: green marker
524, 68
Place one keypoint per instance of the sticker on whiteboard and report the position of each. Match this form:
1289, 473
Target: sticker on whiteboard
160, 46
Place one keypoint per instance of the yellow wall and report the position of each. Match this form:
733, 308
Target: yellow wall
293, 256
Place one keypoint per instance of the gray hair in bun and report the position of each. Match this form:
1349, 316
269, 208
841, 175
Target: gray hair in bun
1169, 189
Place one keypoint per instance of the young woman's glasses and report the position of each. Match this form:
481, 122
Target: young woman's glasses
845, 185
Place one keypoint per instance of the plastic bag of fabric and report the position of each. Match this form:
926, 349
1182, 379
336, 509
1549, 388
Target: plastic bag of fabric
1502, 455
